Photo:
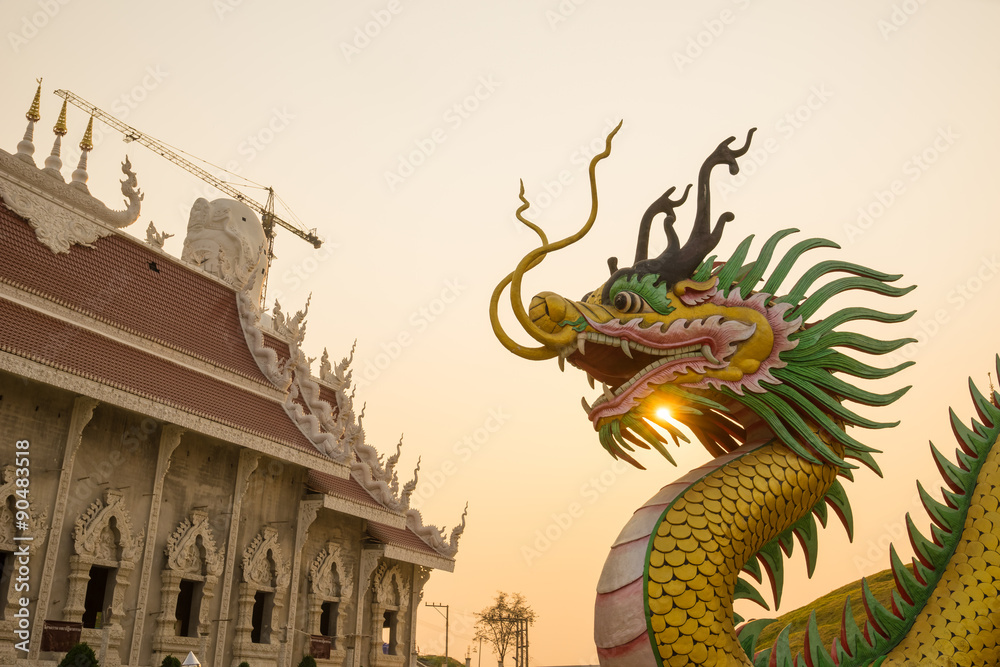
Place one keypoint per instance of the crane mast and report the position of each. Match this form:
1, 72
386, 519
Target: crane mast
266, 211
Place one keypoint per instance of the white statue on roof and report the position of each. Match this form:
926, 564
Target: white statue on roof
225, 238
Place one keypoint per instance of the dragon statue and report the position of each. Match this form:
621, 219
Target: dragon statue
739, 359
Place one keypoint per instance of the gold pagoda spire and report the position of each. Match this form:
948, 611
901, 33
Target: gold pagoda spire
60, 127
87, 144
33, 113
25, 148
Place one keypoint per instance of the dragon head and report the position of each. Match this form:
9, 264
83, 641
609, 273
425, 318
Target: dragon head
681, 339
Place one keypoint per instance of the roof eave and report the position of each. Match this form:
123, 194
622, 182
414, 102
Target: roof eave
407, 555
363, 510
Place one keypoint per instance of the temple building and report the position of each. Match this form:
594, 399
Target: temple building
174, 476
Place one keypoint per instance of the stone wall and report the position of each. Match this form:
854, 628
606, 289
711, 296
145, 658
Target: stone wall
159, 506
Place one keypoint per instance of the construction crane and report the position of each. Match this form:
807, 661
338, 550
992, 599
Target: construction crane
268, 218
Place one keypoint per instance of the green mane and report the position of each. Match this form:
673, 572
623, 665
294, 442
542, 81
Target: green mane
808, 388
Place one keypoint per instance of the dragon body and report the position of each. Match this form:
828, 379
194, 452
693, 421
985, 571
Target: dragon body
726, 351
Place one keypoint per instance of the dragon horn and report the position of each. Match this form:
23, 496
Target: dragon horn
676, 263
662, 205
679, 263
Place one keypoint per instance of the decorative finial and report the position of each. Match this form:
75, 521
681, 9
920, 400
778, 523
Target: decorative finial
25, 147
155, 238
87, 144
60, 127
33, 113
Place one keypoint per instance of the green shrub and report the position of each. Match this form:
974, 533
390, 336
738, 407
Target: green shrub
244, 664
170, 661
307, 661
80, 655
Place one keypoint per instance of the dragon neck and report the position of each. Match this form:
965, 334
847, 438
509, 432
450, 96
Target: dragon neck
709, 533
684, 550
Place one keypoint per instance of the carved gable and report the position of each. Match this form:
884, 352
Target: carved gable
391, 587
264, 566
104, 532
191, 547
328, 576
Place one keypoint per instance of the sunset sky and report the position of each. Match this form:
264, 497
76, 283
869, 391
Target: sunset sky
399, 131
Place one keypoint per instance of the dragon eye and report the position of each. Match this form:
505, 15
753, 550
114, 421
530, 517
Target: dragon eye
629, 302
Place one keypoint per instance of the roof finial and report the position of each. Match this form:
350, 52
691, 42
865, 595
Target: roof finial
86, 145
33, 113
25, 148
60, 126
53, 163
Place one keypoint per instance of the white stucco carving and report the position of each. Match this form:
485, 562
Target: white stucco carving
183, 551
433, 535
61, 215
94, 538
328, 575
264, 566
156, 238
225, 238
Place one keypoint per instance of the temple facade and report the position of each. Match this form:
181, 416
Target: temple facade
174, 476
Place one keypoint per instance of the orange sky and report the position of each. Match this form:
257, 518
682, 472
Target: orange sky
399, 130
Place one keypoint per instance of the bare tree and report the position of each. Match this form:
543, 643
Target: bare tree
499, 623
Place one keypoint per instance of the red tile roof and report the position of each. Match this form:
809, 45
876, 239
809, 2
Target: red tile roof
328, 395
115, 282
349, 488
400, 537
33, 335
279, 346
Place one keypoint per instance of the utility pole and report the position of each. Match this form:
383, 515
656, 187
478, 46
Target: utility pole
520, 628
445, 614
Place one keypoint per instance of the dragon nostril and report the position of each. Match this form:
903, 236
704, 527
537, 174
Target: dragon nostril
556, 307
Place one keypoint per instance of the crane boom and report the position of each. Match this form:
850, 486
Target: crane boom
268, 218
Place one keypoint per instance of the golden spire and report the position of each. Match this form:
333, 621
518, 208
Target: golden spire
87, 144
60, 127
33, 113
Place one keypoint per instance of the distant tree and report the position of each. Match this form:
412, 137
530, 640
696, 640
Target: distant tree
170, 661
81, 655
497, 624
244, 664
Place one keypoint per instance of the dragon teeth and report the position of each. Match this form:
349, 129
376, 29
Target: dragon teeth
590, 380
625, 349
608, 394
706, 351
562, 363
580, 342
586, 406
